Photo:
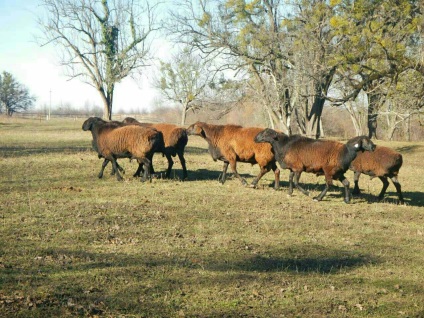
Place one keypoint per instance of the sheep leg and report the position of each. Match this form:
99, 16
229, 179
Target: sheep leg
112, 172
140, 168
345, 183
115, 166
104, 164
398, 189
276, 175
262, 171
323, 193
356, 189
170, 164
139, 171
233, 165
147, 163
383, 190
150, 157
223, 176
291, 182
183, 164
296, 183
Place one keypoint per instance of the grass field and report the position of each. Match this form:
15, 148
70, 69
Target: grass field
75, 245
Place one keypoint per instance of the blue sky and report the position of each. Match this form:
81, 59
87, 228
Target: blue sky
37, 67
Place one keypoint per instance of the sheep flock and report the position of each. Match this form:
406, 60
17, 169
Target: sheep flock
113, 140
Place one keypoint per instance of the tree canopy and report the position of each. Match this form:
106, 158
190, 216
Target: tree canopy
297, 52
14, 97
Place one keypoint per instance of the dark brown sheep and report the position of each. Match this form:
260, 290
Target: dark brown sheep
382, 163
102, 126
132, 142
232, 144
322, 157
175, 139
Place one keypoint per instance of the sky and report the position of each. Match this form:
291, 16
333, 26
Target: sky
38, 68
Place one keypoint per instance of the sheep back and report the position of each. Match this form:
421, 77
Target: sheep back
174, 137
305, 154
233, 142
383, 162
135, 140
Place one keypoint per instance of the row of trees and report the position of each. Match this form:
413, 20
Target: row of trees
14, 97
292, 57
300, 55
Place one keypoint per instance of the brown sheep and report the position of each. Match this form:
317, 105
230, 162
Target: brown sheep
132, 142
232, 144
175, 139
322, 157
103, 127
383, 163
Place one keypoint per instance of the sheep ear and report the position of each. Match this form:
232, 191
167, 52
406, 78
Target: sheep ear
202, 132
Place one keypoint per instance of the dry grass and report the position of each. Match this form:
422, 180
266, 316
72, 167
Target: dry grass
74, 245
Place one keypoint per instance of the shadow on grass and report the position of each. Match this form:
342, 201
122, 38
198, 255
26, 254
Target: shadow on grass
298, 259
30, 151
150, 276
411, 198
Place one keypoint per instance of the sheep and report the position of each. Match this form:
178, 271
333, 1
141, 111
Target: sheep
132, 142
232, 144
383, 163
322, 157
103, 126
175, 139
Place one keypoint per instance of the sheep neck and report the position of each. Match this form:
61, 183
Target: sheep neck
348, 154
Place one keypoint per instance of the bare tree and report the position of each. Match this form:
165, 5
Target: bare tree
192, 81
185, 80
100, 41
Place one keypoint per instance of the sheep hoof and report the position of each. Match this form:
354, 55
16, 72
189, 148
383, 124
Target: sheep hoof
316, 199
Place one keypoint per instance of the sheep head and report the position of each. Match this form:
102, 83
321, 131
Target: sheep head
267, 135
361, 143
196, 129
130, 120
88, 124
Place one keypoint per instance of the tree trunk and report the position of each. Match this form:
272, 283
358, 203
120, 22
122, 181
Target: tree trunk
372, 115
184, 114
107, 99
357, 119
313, 125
